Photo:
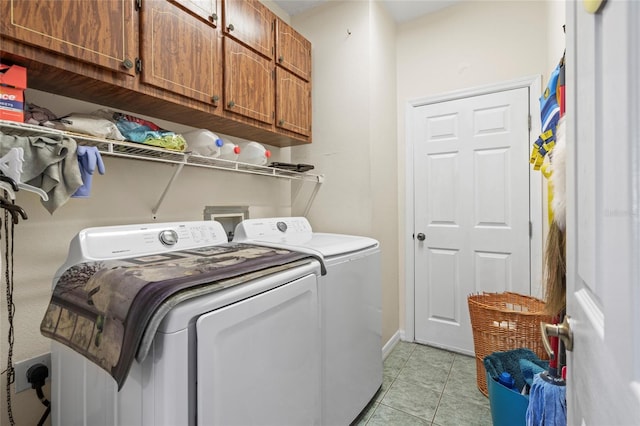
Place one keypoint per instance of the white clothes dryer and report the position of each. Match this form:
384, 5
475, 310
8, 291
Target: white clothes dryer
351, 309
247, 354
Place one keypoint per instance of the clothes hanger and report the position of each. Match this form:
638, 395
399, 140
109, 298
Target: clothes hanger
9, 189
11, 166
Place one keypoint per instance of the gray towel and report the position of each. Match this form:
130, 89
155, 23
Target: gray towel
50, 163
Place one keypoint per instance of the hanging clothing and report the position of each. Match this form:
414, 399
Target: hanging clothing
88, 160
50, 163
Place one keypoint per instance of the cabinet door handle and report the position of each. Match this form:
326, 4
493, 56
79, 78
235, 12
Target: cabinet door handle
231, 104
213, 17
127, 63
230, 27
281, 59
215, 99
280, 122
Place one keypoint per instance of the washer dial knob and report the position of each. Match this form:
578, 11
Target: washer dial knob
168, 237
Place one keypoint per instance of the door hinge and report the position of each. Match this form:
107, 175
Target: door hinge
138, 65
138, 5
530, 229
529, 122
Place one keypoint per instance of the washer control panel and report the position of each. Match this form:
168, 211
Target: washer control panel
258, 229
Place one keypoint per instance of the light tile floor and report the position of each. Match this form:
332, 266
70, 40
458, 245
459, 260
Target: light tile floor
427, 386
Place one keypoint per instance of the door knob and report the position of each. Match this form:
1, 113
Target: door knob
563, 331
421, 236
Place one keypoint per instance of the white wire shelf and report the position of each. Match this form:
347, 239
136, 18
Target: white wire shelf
143, 152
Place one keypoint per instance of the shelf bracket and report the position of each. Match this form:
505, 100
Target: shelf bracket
316, 188
154, 211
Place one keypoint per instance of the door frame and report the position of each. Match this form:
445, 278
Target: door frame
534, 84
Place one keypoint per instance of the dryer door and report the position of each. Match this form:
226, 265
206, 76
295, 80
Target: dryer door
259, 359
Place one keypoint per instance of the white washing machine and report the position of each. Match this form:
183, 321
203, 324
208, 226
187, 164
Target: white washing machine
351, 309
248, 354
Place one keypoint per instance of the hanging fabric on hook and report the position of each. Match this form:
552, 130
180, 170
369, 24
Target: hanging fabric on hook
88, 160
549, 115
49, 163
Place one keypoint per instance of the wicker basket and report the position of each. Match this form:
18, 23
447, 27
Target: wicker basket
502, 322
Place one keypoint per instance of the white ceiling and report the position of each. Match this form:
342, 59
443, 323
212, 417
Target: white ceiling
401, 10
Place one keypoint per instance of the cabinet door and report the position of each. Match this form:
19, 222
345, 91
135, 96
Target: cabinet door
248, 83
179, 52
293, 51
251, 23
293, 103
205, 9
97, 32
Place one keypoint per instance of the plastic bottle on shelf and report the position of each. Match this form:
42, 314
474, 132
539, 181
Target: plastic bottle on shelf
254, 153
229, 150
203, 142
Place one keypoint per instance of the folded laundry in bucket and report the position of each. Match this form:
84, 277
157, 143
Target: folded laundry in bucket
509, 361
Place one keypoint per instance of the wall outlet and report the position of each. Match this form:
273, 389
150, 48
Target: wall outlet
22, 367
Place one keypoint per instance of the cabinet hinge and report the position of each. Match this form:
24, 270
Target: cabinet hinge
273, 74
138, 65
138, 5
273, 115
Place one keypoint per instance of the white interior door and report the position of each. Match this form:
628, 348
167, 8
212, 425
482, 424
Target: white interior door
603, 223
471, 201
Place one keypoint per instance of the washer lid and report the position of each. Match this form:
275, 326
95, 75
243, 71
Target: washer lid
327, 245
336, 244
296, 233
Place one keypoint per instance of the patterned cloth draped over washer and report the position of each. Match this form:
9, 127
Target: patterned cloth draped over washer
103, 309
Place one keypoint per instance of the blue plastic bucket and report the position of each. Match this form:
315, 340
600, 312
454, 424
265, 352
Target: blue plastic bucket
508, 407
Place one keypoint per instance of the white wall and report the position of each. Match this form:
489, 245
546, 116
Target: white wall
468, 45
354, 131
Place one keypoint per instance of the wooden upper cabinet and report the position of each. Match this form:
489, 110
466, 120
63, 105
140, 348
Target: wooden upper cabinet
179, 52
97, 32
293, 51
248, 83
205, 9
250, 23
293, 103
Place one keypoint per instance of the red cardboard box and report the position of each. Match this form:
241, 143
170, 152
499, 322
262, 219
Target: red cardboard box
13, 81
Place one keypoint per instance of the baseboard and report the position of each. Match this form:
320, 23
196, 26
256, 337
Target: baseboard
391, 343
